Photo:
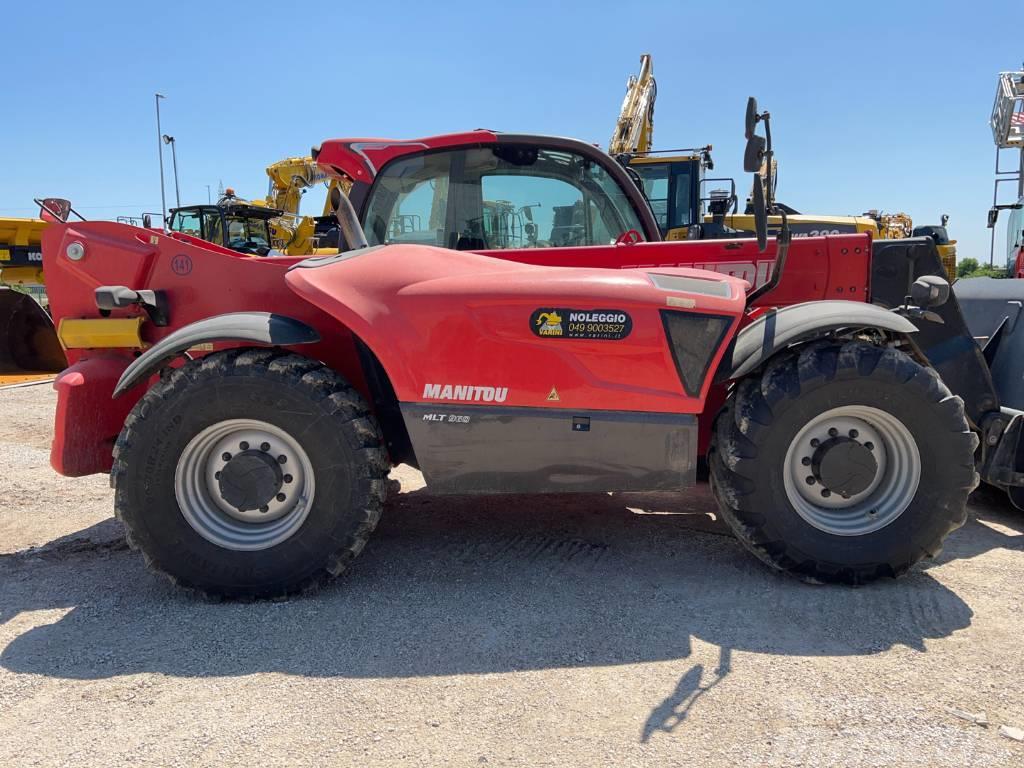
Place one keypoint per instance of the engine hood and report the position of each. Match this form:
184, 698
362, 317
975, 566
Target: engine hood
438, 319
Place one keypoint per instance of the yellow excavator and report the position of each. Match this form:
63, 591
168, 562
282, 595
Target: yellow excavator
688, 205
290, 178
672, 179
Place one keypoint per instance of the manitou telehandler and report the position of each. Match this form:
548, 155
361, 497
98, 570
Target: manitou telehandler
250, 409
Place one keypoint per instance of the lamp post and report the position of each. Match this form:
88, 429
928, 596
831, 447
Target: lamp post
160, 149
174, 159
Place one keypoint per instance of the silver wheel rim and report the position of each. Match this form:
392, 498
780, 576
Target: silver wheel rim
198, 491
896, 476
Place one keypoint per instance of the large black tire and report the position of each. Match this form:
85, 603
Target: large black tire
765, 414
299, 397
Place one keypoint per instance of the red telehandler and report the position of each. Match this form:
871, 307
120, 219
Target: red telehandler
503, 316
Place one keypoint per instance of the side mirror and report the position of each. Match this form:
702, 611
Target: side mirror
993, 217
760, 213
528, 212
753, 155
56, 208
929, 291
751, 118
147, 221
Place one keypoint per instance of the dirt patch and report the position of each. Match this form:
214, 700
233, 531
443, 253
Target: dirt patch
591, 630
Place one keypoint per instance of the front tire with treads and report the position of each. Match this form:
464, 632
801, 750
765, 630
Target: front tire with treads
843, 462
250, 473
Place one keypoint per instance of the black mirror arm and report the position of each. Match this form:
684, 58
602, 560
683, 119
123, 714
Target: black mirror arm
782, 241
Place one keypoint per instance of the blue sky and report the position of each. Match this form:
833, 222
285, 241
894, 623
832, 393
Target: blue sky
875, 105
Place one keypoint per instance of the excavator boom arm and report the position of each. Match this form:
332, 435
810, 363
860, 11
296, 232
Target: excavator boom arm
634, 131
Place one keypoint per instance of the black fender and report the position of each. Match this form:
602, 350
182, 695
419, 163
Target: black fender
256, 327
779, 328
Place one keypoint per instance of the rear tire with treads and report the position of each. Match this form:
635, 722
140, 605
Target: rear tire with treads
250, 473
761, 444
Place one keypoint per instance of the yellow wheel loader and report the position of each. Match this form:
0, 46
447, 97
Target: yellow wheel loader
29, 349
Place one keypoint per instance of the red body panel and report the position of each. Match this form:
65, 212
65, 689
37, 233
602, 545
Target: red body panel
199, 281
88, 421
435, 316
832, 267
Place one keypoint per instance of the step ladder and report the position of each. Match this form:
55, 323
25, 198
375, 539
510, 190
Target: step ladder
1007, 119
1007, 123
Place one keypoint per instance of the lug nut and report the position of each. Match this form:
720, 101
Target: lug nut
264, 447
216, 475
825, 492
870, 446
226, 456
280, 497
264, 509
832, 432
815, 442
243, 446
811, 480
282, 459
854, 433
288, 478
806, 461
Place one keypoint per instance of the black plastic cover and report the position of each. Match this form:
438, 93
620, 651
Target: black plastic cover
694, 338
498, 449
256, 327
779, 328
949, 345
993, 312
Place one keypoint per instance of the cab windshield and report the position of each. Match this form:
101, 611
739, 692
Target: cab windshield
246, 232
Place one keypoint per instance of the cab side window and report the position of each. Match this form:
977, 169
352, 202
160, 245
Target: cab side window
495, 198
409, 202
655, 184
214, 230
187, 222
520, 211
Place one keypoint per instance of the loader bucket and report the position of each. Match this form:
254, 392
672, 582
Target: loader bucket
29, 348
994, 311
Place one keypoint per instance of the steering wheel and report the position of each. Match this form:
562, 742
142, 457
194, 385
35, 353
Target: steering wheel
629, 237
245, 246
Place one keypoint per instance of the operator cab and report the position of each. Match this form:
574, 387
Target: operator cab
231, 223
672, 186
542, 193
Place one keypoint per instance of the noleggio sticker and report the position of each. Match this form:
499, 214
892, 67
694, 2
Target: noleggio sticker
565, 323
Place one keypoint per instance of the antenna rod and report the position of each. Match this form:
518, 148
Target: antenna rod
160, 150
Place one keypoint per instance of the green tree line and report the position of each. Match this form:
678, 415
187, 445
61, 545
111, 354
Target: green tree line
971, 268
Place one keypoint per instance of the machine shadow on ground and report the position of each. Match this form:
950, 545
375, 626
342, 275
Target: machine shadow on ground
451, 586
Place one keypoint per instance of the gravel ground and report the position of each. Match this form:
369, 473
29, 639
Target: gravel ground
598, 630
